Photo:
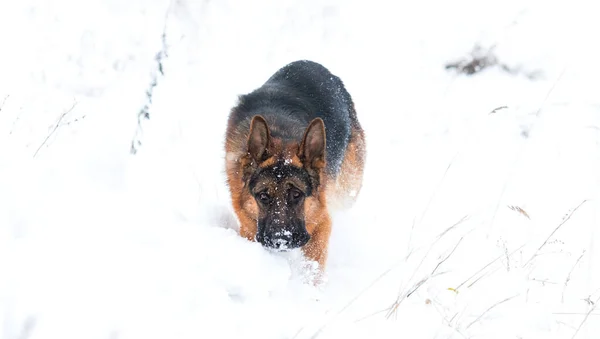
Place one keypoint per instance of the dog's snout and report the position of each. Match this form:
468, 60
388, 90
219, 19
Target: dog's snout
283, 240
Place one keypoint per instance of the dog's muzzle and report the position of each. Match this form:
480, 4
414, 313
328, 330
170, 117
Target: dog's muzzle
283, 240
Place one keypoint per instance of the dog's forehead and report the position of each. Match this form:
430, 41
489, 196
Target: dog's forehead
279, 173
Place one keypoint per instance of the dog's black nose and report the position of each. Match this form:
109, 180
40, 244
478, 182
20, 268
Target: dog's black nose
284, 240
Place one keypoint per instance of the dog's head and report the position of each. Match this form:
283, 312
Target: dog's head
283, 179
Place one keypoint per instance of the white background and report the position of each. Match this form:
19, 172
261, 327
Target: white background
98, 243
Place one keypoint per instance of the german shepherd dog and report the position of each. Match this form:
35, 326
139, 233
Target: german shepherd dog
294, 150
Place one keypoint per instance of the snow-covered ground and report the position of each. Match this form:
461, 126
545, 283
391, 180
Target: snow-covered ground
471, 224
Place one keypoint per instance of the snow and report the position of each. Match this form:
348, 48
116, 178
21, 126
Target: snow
470, 224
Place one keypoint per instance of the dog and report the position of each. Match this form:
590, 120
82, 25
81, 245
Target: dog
295, 151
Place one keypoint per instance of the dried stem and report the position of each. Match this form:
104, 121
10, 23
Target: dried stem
55, 128
490, 308
586, 318
521, 149
4, 101
483, 268
144, 112
554, 231
569, 276
448, 256
394, 307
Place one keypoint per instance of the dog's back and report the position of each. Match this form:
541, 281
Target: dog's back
296, 94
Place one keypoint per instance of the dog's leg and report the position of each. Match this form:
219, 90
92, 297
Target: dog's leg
248, 227
316, 248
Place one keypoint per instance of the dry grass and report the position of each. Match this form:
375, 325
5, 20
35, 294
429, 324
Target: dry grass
520, 211
406, 293
562, 299
587, 315
3, 102
160, 58
481, 58
489, 309
564, 221
55, 128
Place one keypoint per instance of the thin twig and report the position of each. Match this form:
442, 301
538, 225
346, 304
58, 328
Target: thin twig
585, 318
519, 210
521, 149
399, 300
484, 267
363, 291
553, 232
495, 269
370, 315
439, 184
498, 109
386, 272
410, 236
438, 238
507, 257
466, 217
415, 288
160, 58
448, 321
4, 101
448, 256
490, 308
55, 128
560, 76
569, 276
401, 296
544, 282
394, 307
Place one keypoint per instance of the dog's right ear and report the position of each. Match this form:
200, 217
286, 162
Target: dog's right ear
258, 139
312, 148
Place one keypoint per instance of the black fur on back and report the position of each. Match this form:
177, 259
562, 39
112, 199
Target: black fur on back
292, 97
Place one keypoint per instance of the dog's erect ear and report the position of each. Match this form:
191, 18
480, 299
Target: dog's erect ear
312, 147
258, 138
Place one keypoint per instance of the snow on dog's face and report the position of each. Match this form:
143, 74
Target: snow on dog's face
282, 182
280, 192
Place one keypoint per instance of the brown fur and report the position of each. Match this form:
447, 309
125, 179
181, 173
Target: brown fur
335, 191
348, 184
340, 191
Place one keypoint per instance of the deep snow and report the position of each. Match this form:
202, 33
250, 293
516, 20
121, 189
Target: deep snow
98, 243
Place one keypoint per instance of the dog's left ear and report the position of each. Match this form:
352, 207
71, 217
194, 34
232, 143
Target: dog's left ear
312, 148
258, 138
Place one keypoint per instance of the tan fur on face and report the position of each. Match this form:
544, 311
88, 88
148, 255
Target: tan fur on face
269, 162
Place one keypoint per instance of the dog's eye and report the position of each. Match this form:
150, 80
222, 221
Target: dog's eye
263, 197
295, 194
